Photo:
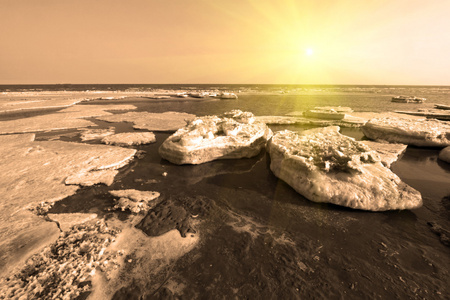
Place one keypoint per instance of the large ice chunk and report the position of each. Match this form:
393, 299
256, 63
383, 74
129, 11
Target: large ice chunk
325, 166
235, 134
418, 132
445, 154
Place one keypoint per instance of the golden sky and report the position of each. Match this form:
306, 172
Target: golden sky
225, 41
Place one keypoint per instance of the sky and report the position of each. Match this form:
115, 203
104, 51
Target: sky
401, 42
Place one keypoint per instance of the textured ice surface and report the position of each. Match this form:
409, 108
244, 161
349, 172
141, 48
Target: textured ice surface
134, 200
445, 154
32, 172
233, 135
130, 138
67, 220
388, 153
167, 121
325, 166
93, 134
418, 132
71, 117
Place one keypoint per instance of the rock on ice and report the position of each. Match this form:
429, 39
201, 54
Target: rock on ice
418, 132
233, 135
325, 166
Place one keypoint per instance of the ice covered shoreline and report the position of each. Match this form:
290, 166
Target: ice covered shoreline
39, 153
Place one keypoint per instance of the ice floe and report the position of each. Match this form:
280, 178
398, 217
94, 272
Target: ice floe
234, 134
71, 117
445, 154
35, 171
325, 166
42, 123
11, 105
417, 132
279, 120
388, 153
93, 134
92, 177
328, 112
130, 138
167, 121
351, 119
90, 110
439, 114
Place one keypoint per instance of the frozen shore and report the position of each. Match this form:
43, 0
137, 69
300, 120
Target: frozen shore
36, 172
33, 172
145, 226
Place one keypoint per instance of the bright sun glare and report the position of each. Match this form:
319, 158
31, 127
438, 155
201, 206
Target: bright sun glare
309, 52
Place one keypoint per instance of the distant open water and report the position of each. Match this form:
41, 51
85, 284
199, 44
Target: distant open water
272, 99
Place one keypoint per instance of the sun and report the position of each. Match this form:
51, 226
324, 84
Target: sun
309, 52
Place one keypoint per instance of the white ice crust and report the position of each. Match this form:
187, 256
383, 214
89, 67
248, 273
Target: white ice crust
325, 166
235, 134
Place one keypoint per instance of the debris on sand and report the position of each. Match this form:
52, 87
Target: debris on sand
146, 261
175, 213
444, 235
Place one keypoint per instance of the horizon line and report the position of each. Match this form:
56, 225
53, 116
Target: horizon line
287, 84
